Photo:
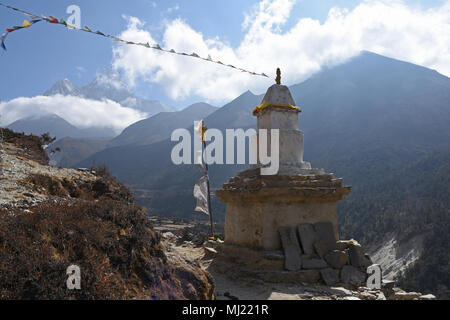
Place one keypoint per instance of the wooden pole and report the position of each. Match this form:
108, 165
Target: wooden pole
209, 193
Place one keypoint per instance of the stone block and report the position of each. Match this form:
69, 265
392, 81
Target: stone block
336, 259
321, 248
210, 252
343, 244
352, 298
427, 297
325, 233
292, 251
357, 256
274, 255
314, 264
387, 284
407, 295
366, 296
329, 276
307, 237
351, 275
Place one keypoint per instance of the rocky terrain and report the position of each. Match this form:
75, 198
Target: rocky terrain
188, 241
52, 218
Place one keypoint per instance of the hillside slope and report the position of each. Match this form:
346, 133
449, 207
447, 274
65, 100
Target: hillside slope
160, 126
411, 207
53, 218
57, 127
73, 150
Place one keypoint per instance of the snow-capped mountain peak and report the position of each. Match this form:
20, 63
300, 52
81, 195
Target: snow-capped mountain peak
109, 84
63, 87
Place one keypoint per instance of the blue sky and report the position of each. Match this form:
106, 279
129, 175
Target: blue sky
39, 56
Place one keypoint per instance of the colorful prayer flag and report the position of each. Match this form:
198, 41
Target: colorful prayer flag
26, 24
3, 41
52, 19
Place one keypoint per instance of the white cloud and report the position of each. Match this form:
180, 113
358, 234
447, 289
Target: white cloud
172, 9
390, 28
82, 113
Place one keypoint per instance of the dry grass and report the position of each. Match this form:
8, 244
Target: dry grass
31, 147
114, 244
104, 187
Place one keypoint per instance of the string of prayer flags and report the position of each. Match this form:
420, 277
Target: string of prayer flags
50, 19
25, 24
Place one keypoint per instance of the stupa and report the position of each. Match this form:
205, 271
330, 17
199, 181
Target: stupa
258, 205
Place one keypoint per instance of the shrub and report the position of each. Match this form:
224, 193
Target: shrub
119, 254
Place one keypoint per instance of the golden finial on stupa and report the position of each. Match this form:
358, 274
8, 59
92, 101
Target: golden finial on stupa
278, 79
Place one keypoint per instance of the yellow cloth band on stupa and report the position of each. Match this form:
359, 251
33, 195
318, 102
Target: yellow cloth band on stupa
265, 105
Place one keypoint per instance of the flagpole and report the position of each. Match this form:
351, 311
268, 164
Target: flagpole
208, 191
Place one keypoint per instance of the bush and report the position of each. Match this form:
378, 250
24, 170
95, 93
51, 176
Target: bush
114, 244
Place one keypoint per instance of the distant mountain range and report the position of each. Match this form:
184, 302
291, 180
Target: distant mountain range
106, 85
160, 126
72, 150
58, 127
109, 84
144, 132
65, 88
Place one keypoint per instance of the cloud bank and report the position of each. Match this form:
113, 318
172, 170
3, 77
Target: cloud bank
390, 28
80, 112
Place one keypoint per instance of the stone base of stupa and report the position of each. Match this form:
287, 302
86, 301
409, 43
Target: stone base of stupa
257, 205
268, 266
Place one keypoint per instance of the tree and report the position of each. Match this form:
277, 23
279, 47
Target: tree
46, 139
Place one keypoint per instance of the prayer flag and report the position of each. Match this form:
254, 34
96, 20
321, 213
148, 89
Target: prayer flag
26, 24
201, 194
52, 19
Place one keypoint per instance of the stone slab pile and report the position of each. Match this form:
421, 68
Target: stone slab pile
315, 247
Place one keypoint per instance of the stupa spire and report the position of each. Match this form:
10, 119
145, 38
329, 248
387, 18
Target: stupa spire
278, 78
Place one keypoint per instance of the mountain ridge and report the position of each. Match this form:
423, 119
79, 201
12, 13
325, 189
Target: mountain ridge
160, 126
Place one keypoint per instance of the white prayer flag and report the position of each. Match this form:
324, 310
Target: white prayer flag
199, 127
201, 194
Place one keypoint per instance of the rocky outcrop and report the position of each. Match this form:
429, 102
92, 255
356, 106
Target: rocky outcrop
396, 257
